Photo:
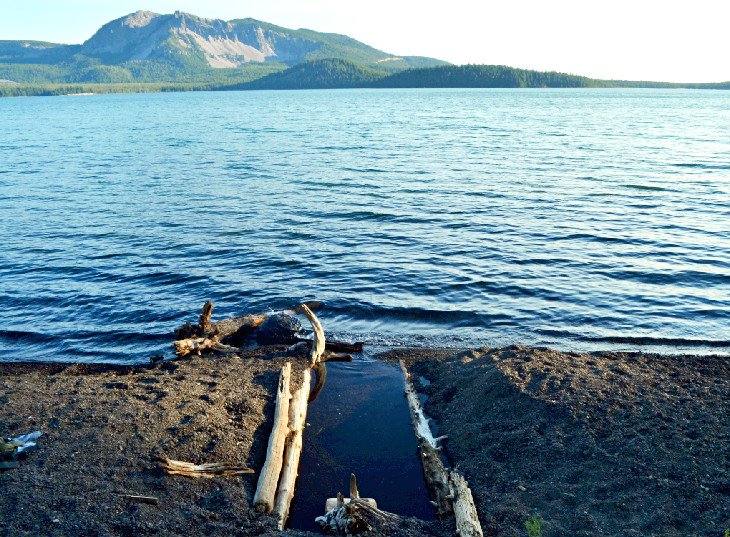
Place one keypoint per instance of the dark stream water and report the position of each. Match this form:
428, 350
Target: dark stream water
360, 424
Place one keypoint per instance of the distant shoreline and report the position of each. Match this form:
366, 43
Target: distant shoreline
62, 90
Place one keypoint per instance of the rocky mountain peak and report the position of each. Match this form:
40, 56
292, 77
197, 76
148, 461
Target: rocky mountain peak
139, 19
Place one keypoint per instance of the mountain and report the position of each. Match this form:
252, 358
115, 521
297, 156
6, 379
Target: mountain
152, 47
147, 51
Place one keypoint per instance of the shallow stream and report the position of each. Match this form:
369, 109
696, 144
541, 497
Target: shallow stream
360, 424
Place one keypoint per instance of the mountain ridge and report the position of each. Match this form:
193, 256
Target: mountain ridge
188, 40
148, 51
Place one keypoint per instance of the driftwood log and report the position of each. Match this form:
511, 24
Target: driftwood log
269, 477
448, 489
207, 336
292, 450
429, 451
226, 335
467, 518
318, 342
297, 419
354, 515
209, 470
339, 346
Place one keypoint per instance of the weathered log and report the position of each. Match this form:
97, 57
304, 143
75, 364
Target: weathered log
238, 328
204, 324
434, 471
354, 515
467, 519
335, 357
437, 478
208, 470
269, 477
183, 347
292, 450
341, 346
233, 329
318, 343
418, 416
448, 489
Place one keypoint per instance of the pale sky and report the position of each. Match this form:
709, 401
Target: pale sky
670, 40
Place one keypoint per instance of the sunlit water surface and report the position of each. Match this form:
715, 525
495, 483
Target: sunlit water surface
580, 219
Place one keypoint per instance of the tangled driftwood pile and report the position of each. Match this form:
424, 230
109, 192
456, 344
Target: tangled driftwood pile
449, 491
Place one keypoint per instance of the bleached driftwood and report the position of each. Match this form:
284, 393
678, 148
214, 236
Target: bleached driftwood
269, 477
467, 519
434, 471
448, 489
212, 469
292, 450
318, 342
418, 416
354, 515
183, 347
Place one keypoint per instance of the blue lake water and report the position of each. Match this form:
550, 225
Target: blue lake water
579, 219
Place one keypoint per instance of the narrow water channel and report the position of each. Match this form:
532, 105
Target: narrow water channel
360, 424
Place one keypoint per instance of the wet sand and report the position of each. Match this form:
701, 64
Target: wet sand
594, 444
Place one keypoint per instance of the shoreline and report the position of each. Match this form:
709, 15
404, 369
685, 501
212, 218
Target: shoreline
594, 444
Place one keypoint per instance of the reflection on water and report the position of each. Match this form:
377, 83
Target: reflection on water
360, 424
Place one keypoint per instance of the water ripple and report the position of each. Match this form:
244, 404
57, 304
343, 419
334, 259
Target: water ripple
445, 217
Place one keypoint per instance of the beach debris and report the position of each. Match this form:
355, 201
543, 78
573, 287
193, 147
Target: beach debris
449, 491
229, 334
149, 500
318, 342
279, 473
292, 449
467, 518
207, 470
209, 336
263, 499
12, 447
197, 346
353, 515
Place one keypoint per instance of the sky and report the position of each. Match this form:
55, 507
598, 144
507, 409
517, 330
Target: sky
670, 40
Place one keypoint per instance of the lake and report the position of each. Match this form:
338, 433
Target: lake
579, 219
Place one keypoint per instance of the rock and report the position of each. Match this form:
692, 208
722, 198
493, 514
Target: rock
279, 329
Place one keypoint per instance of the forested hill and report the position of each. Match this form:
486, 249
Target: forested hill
331, 73
483, 76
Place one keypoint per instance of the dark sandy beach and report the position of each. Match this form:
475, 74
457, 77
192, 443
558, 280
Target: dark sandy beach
594, 444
